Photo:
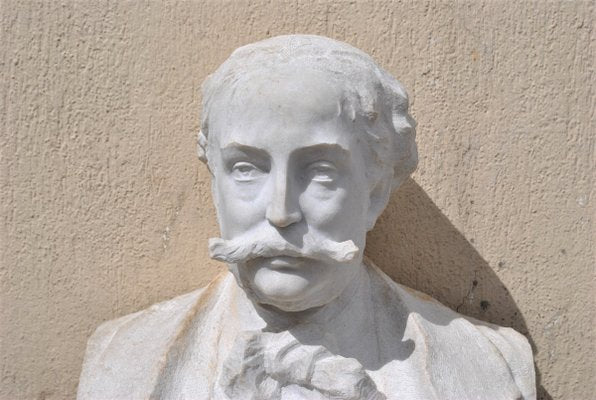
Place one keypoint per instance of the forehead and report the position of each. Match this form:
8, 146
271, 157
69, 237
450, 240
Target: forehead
280, 100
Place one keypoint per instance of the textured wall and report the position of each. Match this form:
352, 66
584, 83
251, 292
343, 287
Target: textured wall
105, 208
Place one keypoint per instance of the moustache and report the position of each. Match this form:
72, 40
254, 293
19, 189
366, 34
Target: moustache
243, 249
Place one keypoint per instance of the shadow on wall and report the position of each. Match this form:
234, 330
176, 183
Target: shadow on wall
428, 253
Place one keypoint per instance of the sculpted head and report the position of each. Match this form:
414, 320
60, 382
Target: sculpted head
306, 138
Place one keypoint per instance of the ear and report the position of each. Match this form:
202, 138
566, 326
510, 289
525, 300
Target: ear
202, 151
202, 147
379, 197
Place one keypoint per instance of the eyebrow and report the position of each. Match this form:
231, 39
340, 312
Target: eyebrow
334, 150
321, 149
235, 147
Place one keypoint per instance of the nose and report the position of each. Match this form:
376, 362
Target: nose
283, 209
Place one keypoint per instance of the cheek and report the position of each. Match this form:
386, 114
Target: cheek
239, 206
340, 212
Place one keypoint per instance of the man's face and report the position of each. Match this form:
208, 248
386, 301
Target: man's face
288, 164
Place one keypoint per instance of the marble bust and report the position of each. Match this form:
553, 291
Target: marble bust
305, 138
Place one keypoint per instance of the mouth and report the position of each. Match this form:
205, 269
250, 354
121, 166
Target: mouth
281, 262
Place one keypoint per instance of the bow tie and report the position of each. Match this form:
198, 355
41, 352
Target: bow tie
276, 366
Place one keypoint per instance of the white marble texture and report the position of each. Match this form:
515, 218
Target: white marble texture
305, 138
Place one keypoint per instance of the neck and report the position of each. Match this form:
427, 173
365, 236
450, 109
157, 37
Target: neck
338, 325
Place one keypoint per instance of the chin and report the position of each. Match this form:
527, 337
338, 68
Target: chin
289, 291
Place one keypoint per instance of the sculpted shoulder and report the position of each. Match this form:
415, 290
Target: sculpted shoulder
461, 351
126, 357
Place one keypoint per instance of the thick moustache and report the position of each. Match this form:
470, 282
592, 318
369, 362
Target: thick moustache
242, 250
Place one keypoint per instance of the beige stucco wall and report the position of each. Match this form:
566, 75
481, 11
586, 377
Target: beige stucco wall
105, 208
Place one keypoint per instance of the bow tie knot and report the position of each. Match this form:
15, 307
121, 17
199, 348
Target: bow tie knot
276, 366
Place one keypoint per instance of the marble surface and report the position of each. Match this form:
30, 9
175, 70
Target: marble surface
305, 138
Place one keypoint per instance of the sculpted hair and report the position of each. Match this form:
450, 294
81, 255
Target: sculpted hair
369, 92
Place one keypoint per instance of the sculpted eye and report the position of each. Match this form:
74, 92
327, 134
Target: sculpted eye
244, 171
322, 172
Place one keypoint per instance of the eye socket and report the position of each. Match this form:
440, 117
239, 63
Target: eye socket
322, 172
244, 171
